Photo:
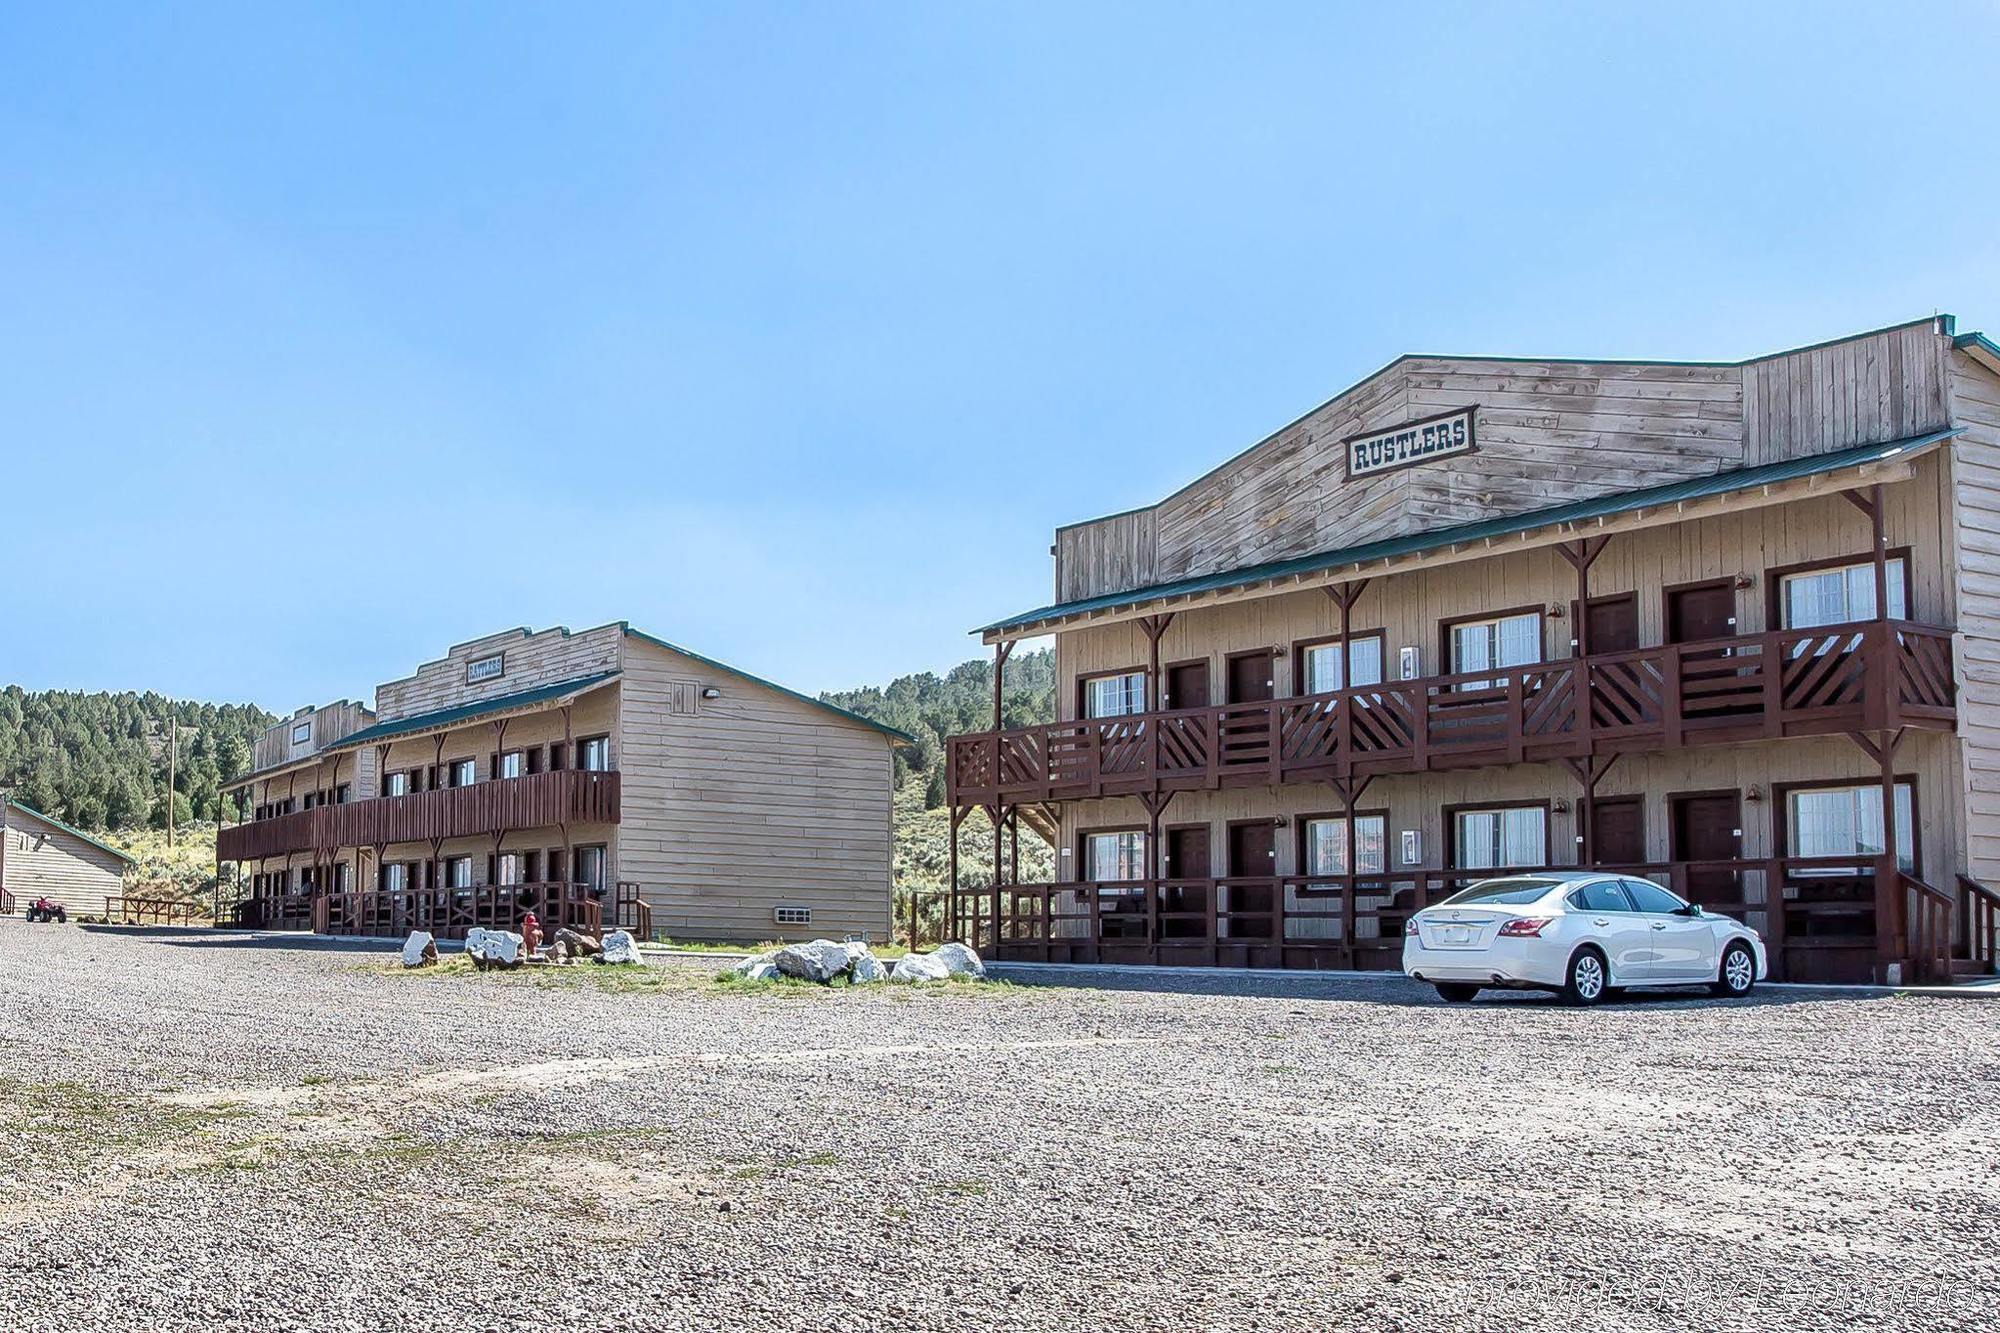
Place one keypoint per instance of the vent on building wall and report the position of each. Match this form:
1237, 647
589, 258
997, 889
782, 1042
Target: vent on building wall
792, 916
685, 699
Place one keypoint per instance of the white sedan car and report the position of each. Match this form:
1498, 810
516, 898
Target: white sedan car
1583, 935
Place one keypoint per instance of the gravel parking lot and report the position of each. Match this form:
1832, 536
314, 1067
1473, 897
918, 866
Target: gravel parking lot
203, 1131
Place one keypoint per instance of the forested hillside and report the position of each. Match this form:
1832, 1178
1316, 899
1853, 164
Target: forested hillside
932, 707
99, 761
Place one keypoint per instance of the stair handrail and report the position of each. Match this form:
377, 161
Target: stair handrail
1982, 921
1930, 933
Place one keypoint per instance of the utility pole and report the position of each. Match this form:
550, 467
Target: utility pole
173, 762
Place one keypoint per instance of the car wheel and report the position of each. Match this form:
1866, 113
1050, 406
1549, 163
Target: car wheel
1456, 992
1588, 978
1737, 974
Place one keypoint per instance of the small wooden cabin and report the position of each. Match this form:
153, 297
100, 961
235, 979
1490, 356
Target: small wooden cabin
42, 857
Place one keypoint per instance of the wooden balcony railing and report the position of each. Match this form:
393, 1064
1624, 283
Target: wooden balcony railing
1841, 916
1868, 675
539, 800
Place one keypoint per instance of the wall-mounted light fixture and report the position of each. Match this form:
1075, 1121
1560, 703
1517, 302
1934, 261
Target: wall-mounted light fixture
1557, 611
711, 693
1559, 806
1746, 581
1754, 794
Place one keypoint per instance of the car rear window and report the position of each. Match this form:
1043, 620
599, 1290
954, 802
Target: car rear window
1513, 892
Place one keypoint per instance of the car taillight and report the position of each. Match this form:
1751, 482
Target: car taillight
1410, 926
1525, 926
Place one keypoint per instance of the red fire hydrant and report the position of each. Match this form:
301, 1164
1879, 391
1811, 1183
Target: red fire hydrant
531, 933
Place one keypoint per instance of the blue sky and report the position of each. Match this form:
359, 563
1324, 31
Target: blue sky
332, 335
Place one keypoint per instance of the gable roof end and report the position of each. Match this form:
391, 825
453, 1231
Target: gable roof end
895, 736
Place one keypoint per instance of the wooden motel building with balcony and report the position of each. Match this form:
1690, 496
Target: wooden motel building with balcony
1733, 626
601, 778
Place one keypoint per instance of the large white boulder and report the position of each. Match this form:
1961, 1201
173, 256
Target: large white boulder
919, 967
620, 947
959, 960
864, 968
420, 950
494, 948
820, 961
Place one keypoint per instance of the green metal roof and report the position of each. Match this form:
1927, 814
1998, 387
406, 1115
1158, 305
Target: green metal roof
1577, 511
902, 737
53, 822
444, 717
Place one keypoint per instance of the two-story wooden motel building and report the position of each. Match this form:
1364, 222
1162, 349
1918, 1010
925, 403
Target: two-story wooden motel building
605, 777
1735, 626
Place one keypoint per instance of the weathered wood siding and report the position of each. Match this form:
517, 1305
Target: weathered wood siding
532, 659
736, 805
1975, 560
329, 724
1409, 606
1548, 432
41, 860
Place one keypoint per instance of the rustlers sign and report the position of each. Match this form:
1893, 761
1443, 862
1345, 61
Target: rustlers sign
1414, 442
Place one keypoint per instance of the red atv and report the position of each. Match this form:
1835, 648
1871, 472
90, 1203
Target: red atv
47, 909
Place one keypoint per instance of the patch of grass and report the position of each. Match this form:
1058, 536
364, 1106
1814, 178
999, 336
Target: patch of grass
888, 951
1281, 1069
969, 1188
314, 1080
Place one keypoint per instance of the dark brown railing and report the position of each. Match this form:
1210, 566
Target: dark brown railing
1869, 675
133, 911
538, 800
1980, 929
1840, 916
449, 913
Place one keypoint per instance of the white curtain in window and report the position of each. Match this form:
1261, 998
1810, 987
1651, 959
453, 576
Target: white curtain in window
1847, 821
1839, 596
1115, 696
1485, 644
1496, 839
1322, 665
1110, 856
1327, 846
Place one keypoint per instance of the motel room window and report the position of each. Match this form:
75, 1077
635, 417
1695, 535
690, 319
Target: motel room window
1840, 596
458, 872
1114, 856
1319, 664
1847, 821
341, 883
462, 772
1118, 695
343, 793
1501, 641
513, 764
590, 868
512, 868
1326, 847
395, 877
593, 754
1500, 839
396, 784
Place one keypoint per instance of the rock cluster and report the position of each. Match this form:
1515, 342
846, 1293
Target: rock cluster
828, 961
494, 948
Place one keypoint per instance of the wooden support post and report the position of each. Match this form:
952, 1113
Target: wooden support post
1891, 929
954, 911
998, 814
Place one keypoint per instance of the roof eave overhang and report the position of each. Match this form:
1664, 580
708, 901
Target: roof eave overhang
1901, 466
361, 740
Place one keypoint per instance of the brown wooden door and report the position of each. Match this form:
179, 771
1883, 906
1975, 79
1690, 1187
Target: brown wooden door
1253, 850
1187, 852
1187, 686
1701, 611
1618, 831
1613, 623
1250, 678
1707, 826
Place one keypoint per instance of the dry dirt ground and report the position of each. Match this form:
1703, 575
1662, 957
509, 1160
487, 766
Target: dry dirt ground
198, 1130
